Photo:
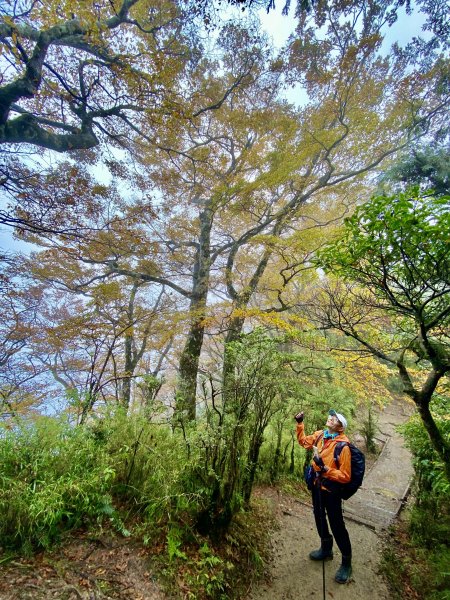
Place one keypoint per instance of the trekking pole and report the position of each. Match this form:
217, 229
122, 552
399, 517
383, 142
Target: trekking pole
322, 517
319, 495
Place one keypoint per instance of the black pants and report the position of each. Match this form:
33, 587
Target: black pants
326, 504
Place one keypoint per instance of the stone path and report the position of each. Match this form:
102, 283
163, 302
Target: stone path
385, 486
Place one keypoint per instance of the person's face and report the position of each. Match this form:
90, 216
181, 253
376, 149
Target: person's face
333, 424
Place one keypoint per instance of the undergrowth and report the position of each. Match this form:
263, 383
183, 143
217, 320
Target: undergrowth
131, 478
206, 568
53, 478
417, 557
413, 570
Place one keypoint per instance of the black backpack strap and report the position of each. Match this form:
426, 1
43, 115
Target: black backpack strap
338, 450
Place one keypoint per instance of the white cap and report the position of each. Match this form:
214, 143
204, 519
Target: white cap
341, 418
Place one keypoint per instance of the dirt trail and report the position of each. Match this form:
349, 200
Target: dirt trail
292, 575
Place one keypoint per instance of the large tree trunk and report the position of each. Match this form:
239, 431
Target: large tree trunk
275, 466
188, 366
190, 356
437, 440
422, 400
235, 326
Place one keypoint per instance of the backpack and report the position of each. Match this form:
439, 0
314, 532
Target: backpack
309, 475
358, 466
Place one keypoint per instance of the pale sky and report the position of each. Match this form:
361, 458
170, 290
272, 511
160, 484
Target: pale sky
279, 27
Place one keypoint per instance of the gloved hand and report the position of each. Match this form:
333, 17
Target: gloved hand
319, 462
299, 417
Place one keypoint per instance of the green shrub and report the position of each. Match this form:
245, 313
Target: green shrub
414, 571
430, 517
208, 575
53, 477
155, 472
369, 429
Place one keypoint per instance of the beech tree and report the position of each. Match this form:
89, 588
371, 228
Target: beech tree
73, 64
92, 76
92, 333
95, 346
76, 72
341, 136
192, 172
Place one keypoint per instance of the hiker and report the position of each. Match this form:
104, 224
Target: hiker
326, 501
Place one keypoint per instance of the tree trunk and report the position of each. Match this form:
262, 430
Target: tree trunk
190, 356
131, 359
292, 462
422, 400
188, 369
234, 331
275, 467
240, 302
129, 368
437, 440
249, 480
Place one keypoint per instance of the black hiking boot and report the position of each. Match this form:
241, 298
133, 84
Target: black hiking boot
345, 570
325, 551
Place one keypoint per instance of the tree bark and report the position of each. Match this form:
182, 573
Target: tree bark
275, 466
190, 356
249, 478
422, 401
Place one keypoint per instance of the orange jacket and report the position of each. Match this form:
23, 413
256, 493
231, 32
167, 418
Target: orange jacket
326, 451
